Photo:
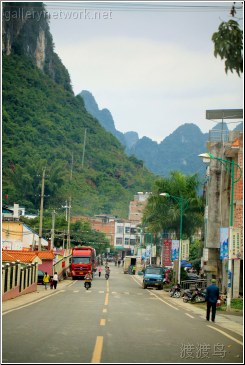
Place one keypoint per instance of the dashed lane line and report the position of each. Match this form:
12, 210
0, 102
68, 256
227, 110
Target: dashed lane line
97, 350
106, 299
102, 322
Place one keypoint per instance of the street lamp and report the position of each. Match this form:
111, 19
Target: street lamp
206, 158
181, 202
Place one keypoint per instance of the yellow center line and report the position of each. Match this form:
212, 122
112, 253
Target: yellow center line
107, 286
102, 322
97, 350
106, 299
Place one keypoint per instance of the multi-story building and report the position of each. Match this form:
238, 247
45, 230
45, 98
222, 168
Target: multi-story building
127, 237
136, 207
15, 234
122, 234
226, 146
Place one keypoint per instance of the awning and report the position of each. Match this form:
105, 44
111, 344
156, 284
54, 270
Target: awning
119, 248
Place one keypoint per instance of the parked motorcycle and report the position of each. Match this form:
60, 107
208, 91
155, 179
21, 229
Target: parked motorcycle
194, 296
175, 291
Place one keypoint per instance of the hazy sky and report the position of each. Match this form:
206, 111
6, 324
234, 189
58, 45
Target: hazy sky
150, 63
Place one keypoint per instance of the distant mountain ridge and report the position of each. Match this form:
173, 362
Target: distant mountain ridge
178, 151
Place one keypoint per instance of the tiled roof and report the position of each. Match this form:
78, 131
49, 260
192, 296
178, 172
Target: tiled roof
22, 256
45, 255
26, 256
6, 256
236, 143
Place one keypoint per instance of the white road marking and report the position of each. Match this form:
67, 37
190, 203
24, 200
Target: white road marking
189, 315
156, 295
36, 301
164, 301
226, 334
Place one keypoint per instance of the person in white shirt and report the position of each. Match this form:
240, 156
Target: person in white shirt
55, 280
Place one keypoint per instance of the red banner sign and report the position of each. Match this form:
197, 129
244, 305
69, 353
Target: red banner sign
166, 259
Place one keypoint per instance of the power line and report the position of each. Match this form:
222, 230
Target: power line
126, 6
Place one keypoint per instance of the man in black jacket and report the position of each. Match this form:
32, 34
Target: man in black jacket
212, 295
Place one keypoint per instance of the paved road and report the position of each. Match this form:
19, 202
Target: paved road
115, 322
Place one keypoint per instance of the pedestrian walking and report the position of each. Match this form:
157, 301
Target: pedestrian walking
100, 271
212, 296
51, 282
55, 279
46, 280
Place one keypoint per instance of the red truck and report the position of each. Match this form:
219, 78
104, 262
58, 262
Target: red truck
83, 260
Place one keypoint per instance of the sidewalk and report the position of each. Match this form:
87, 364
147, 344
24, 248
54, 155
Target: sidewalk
40, 294
226, 320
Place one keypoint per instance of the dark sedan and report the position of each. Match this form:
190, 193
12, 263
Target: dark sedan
40, 277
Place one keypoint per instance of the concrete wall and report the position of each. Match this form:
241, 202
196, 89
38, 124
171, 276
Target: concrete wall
218, 211
17, 280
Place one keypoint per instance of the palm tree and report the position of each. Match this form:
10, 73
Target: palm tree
164, 213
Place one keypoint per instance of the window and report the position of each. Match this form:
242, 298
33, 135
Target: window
119, 229
126, 241
80, 260
127, 230
118, 241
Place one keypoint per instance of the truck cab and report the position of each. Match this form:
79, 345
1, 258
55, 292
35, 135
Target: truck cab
153, 277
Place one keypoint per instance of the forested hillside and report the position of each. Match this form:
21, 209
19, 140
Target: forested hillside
45, 126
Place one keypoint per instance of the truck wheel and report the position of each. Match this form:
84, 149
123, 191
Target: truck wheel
144, 286
160, 287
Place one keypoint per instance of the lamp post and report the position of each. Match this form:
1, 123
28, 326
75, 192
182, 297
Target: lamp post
146, 242
206, 158
180, 201
41, 213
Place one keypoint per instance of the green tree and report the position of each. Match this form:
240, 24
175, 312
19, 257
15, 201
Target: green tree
195, 254
83, 234
228, 44
164, 213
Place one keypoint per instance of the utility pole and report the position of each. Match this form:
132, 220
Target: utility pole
66, 209
68, 226
33, 240
41, 212
69, 210
63, 244
52, 231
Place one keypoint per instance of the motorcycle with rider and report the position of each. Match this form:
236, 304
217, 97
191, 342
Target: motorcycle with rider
88, 280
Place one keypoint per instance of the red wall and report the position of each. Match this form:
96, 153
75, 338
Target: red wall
46, 266
15, 292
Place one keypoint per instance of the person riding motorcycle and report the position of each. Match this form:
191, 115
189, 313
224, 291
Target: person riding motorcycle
88, 279
107, 272
88, 276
